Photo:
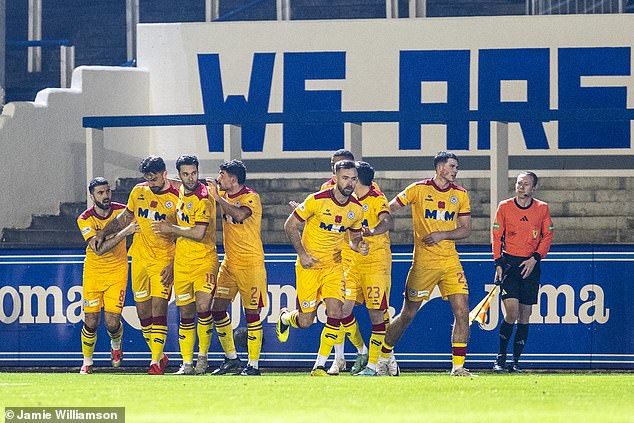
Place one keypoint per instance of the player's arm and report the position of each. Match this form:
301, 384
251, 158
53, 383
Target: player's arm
113, 227
176, 183
291, 226
385, 224
395, 205
196, 232
462, 231
239, 214
357, 243
108, 244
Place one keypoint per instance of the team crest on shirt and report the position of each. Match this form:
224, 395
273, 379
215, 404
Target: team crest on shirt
305, 304
237, 204
535, 233
190, 205
350, 215
169, 204
453, 199
366, 207
302, 207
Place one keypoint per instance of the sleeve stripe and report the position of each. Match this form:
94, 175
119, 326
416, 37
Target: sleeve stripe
398, 199
464, 214
297, 216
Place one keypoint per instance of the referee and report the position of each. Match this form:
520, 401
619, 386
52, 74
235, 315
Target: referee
522, 234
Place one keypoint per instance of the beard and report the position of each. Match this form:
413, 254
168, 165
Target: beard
192, 187
347, 191
105, 205
155, 190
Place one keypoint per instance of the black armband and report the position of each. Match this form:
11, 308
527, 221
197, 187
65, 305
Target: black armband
536, 256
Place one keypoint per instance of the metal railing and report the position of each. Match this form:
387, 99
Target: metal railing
570, 7
66, 56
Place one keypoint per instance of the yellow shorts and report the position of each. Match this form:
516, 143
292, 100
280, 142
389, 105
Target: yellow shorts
373, 287
146, 280
249, 281
191, 277
313, 285
421, 282
106, 294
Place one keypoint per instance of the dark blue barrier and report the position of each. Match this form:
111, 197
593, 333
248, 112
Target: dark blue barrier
582, 321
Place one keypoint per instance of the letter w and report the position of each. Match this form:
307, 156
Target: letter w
257, 104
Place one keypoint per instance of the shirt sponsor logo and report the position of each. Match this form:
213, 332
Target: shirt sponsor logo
332, 227
439, 215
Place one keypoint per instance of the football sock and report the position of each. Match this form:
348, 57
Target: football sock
254, 338
521, 334
386, 350
506, 330
329, 336
88, 340
376, 340
187, 339
146, 330
458, 354
225, 333
159, 333
115, 337
340, 344
351, 328
290, 318
204, 330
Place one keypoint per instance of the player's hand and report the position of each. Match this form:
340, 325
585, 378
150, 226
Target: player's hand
366, 231
498, 275
363, 248
213, 184
434, 238
293, 205
132, 228
527, 267
99, 238
167, 275
307, 261
161, 227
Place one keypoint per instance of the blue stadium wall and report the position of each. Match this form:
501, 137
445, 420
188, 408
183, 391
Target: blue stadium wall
583, 319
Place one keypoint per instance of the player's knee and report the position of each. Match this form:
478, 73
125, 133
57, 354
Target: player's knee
304, 320
91, 320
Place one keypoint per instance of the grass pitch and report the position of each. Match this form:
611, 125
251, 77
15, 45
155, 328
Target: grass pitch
296, 397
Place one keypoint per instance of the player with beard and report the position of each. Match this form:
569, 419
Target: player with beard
328, 215
105, 273
195, 263
152, 254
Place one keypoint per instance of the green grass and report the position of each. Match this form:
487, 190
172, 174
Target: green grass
295, 397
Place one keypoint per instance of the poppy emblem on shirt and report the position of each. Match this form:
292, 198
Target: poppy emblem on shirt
337, 219
153, 204
441, 204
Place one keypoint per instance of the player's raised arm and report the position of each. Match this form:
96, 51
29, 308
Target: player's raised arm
114, 226
386, 223
111, 242
238, 213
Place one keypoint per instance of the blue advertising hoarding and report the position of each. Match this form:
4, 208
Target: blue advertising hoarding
581, 320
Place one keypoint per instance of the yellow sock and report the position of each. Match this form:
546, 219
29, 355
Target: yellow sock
187, 339
88, 340
146, 330
376, 340
254, 339
115, 337
292, 319
204, 329
225, 333
329, 336
386, 350
159, 333
351, 328
458, 354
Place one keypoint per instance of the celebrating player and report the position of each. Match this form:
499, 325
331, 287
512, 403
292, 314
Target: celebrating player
441, 213
242, 269
319, 272
522, 234
195, 263
152, 254
105, 273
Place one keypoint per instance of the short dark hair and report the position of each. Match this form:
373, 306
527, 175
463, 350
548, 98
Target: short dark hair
345, 164
152, 164
443, 157
532, 175
98, 181
186, 159
366, 173
342, 152
235, 168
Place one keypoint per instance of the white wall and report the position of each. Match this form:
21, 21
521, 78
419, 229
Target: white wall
43, 142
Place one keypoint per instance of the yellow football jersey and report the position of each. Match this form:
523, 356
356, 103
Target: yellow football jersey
374, 204
242, 240
146, 208
434, 210
196, 208
326, 224
113, 263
